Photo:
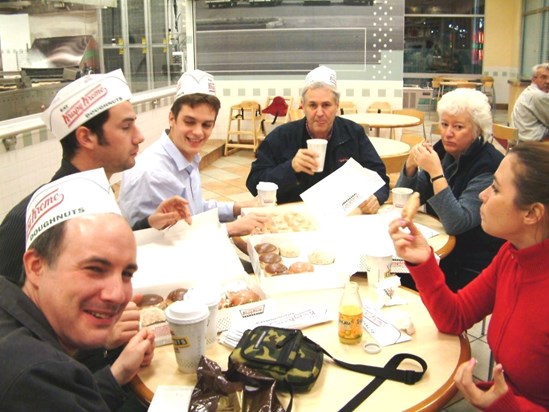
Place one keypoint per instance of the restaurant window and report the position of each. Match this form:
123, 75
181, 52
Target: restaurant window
535, 35
443, 37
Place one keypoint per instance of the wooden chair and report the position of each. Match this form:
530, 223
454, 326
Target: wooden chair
346, 107
488, 89
296, 114
412, 139
435, 130
466, 85
380, 107
506, 136
416, 113
393, 167
244, 127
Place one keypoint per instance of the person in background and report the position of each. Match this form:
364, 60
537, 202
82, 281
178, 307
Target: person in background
95, 122
531, 111
449, 177
513, 288
170, 166
283, 157
79, 260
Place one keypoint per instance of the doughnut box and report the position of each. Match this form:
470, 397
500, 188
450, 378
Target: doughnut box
197, 255
314, 260
287, 218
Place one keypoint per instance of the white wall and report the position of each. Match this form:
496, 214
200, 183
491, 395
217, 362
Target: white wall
14, 46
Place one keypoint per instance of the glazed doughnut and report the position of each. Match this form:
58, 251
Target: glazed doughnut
411, 207
265, 248
274, 269
152, 299
320, 257
151, 315
175, 295
301, 267
242, 297
267, 258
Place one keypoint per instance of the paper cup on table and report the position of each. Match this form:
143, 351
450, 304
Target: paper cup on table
319, 146
188, 322
211, 298
401, 195
267, 193
378, 268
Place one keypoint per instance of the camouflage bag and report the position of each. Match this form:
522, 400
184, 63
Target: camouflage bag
286, 355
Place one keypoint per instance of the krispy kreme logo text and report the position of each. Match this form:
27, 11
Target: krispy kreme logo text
43, 206
74, 112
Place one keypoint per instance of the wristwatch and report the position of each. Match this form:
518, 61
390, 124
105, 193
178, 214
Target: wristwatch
436, 178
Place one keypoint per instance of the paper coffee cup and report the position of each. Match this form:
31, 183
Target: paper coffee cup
401, 195
211, 298
378, 268
267, 193
319, 146
187, 321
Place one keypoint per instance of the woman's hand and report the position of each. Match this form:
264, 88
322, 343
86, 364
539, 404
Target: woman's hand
427, 159
474, 395
410, 246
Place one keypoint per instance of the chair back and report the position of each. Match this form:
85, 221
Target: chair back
416, 113
380, 107
346, 107
393, 166
296, 114
506, 136
412, 139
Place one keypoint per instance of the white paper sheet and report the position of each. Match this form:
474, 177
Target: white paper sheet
171, 398
343, 190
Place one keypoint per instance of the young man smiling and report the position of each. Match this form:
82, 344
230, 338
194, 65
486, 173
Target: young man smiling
170, 166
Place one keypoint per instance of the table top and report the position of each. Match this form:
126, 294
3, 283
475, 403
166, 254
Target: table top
389, 147
443, 353
383, 120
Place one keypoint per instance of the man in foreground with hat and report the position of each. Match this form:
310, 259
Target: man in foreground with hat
170, 166
283, 157
95, 122
79, 260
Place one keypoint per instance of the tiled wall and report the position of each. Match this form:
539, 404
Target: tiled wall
38, 154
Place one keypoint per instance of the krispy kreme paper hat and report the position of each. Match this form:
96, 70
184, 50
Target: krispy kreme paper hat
195, 81
84, 99
322, 74
76, 195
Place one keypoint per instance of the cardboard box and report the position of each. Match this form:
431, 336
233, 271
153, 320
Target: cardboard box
324, 276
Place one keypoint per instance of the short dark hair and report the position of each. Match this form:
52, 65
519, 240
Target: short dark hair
70, 144
194, 100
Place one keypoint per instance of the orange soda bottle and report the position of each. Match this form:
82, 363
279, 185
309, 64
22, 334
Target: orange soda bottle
350, 315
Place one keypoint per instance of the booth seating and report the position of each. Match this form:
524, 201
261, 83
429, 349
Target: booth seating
243, 130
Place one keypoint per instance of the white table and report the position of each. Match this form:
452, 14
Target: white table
389, 147
384, 120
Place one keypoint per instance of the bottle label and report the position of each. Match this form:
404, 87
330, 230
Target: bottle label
350, 323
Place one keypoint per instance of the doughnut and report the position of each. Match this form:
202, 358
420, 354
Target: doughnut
265, 248
411, 207
321, 258
266, 258
288, 250
242, 297
274, 269
301, 267
175, 295
152, 299
151, 315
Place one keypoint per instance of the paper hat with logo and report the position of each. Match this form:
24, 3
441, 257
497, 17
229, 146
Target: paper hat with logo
73, 196
83, 99
322, 74
195, 81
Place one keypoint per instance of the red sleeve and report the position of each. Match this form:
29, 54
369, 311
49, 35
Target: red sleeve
454, 312
510, 402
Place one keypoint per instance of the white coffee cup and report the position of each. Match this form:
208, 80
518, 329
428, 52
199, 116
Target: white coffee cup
267, 193
378, 268
319, 146
401, 195
187, 322
211, 298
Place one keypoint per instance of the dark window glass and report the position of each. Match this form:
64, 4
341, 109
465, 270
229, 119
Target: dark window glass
444, 7
443, 44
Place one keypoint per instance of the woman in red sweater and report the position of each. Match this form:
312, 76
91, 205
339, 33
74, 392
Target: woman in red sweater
514, 288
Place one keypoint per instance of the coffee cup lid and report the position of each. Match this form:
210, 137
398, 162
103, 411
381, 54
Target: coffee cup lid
207, 296
185, 312
266, 186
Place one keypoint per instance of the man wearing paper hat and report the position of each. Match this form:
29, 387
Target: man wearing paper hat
80, 258
170, 166
283, 157
96, 124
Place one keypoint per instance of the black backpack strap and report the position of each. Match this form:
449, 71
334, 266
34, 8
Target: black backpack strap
376, 383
